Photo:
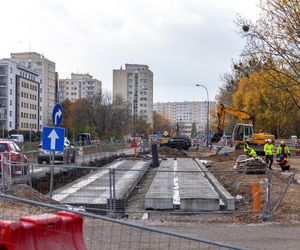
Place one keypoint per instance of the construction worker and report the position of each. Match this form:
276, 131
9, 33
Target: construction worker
252, 153
248, 150
269, 149
283, 150
284, 164
247, 147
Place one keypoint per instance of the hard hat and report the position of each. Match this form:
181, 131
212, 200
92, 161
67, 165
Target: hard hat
269, 140
282, 142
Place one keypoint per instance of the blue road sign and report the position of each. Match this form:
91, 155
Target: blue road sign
57, 115
53, 139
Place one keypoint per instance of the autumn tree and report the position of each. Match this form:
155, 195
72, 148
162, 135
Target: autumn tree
142, 127
97, 115
274, 42
273, 109
160, 123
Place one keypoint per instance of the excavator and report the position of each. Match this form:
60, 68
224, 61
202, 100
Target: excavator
241, 131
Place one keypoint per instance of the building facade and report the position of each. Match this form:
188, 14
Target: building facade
134, 84
20, 95
78, 87
185, 114
46, 69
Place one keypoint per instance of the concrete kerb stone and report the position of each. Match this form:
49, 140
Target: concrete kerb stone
225, 196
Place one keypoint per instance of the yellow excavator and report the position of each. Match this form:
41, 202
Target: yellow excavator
241, 131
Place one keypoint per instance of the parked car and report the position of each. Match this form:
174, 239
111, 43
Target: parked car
19, 138
84, 138
179, 143
68, 156
14, 156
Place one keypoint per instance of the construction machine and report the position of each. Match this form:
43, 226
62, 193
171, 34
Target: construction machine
241, 131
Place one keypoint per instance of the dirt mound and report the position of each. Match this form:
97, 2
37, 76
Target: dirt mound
171, 152
24, 191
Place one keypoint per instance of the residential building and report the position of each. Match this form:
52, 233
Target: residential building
46, 69
78, 87
20, 94
185, 114
134, 84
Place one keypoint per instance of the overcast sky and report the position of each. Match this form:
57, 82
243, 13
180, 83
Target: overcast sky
184, 42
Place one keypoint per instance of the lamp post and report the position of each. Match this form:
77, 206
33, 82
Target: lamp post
207, 122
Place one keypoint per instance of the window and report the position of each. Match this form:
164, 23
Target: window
10, 91
10, 113
10, 102
10, 124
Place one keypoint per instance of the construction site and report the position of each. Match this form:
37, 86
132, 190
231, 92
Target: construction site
195, 192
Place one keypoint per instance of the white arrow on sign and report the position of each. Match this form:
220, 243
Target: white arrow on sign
53, 136
57, 114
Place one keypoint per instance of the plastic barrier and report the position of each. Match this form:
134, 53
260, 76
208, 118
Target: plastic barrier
15, 235
72, 227
47, 232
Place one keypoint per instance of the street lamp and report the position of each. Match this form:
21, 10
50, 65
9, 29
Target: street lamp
207, 122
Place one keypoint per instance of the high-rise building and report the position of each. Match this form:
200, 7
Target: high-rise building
78, 87
134, 84
185, 114
20, 95
46, 69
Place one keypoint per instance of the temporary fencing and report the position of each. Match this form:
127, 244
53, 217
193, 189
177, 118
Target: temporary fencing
85, 153
131, 187
100, 232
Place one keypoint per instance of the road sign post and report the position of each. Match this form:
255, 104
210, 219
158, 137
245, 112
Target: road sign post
57, 115
53, 140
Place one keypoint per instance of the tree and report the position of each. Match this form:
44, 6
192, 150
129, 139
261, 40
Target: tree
193, 130
160, 123
274, 42
97, 115
142, 127
273, 109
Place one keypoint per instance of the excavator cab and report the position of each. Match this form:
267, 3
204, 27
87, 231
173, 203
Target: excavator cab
242, 132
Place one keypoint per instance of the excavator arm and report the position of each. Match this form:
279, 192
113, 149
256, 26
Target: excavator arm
222, 111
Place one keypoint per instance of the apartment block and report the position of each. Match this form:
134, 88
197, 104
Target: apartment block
78, 87
20, 94
134, 84
186, 113
46, 69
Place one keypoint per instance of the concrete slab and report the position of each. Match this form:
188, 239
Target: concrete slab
93, 190
196, 193
160, 193
225, 196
